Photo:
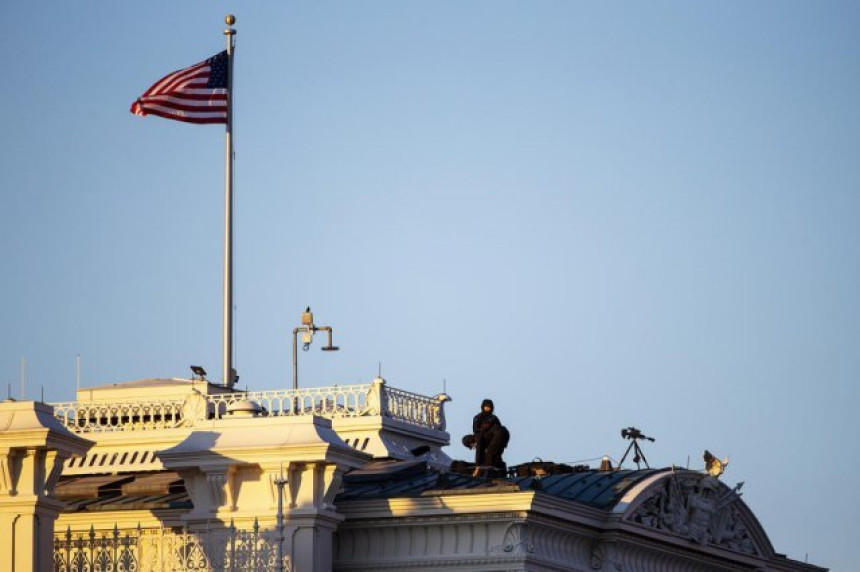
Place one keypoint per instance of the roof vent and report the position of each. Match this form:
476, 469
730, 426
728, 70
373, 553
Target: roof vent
605, 463
244, 408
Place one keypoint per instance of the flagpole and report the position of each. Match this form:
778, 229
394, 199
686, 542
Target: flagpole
228, 376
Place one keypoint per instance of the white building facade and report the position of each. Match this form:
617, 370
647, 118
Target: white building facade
178, 474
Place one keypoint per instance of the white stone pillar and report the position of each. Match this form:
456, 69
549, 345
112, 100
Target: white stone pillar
310, 538
230, 469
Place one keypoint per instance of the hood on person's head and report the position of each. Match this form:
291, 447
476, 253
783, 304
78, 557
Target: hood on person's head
487, 403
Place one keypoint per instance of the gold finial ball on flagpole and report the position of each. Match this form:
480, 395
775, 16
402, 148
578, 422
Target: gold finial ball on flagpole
230, 19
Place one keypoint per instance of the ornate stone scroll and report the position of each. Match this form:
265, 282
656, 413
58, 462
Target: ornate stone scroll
194, 409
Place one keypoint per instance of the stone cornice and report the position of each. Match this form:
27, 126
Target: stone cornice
262, 440
395, 426
124, 519
453, 563
31, 424
440, 504
437, 505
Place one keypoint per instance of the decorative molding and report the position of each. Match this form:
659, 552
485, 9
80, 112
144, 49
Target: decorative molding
294, 482
232, 490
697, 507
605, 556
432, 519
376, 403
10, 470
332, 479
195, 409
53, 467
217, 482
516, 541
438, 410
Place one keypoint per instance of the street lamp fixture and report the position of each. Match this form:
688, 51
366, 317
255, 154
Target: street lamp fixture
307, 331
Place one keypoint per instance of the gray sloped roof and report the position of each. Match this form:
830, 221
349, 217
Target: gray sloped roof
598, 489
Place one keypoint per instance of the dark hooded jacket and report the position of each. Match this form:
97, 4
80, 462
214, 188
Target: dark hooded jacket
485, 421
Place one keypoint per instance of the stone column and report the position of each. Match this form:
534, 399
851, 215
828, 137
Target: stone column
309, 539
312, 518
33, 447
230, 469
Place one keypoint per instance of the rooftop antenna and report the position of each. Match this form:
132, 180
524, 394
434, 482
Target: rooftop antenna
9, 391
43, 394
379, 369
444, 386
23, 376
634, 435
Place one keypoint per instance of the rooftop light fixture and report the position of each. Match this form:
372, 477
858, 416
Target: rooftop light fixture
307, 330
199, 373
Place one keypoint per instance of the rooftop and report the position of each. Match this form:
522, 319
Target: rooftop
378, 480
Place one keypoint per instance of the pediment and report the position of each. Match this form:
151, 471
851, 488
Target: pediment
700, 509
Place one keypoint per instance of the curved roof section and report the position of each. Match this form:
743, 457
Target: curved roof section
598, 489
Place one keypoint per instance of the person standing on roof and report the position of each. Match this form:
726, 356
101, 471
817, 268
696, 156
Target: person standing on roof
484, 426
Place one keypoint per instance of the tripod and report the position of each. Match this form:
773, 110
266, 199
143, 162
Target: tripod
634, 435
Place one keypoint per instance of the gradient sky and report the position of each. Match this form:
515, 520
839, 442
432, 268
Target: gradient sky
598, 214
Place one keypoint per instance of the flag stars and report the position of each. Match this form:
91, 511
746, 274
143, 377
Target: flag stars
218, 73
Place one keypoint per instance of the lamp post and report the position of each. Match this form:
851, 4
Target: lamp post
280, 481
308, 329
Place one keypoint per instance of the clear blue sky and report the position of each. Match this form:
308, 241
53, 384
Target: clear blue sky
598, 214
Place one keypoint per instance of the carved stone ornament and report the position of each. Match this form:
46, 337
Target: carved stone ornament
604, 556
194, 409
597, 558
516, 540
699, 508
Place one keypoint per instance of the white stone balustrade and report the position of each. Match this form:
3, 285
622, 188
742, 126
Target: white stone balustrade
376, 398
414, 408
95, 417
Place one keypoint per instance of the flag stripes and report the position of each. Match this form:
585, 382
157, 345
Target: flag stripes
196, 94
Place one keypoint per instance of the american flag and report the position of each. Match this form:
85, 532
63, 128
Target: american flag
197, 94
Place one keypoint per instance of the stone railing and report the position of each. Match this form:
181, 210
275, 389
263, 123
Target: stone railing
414, 408
335, 401
374, 398
96, 417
